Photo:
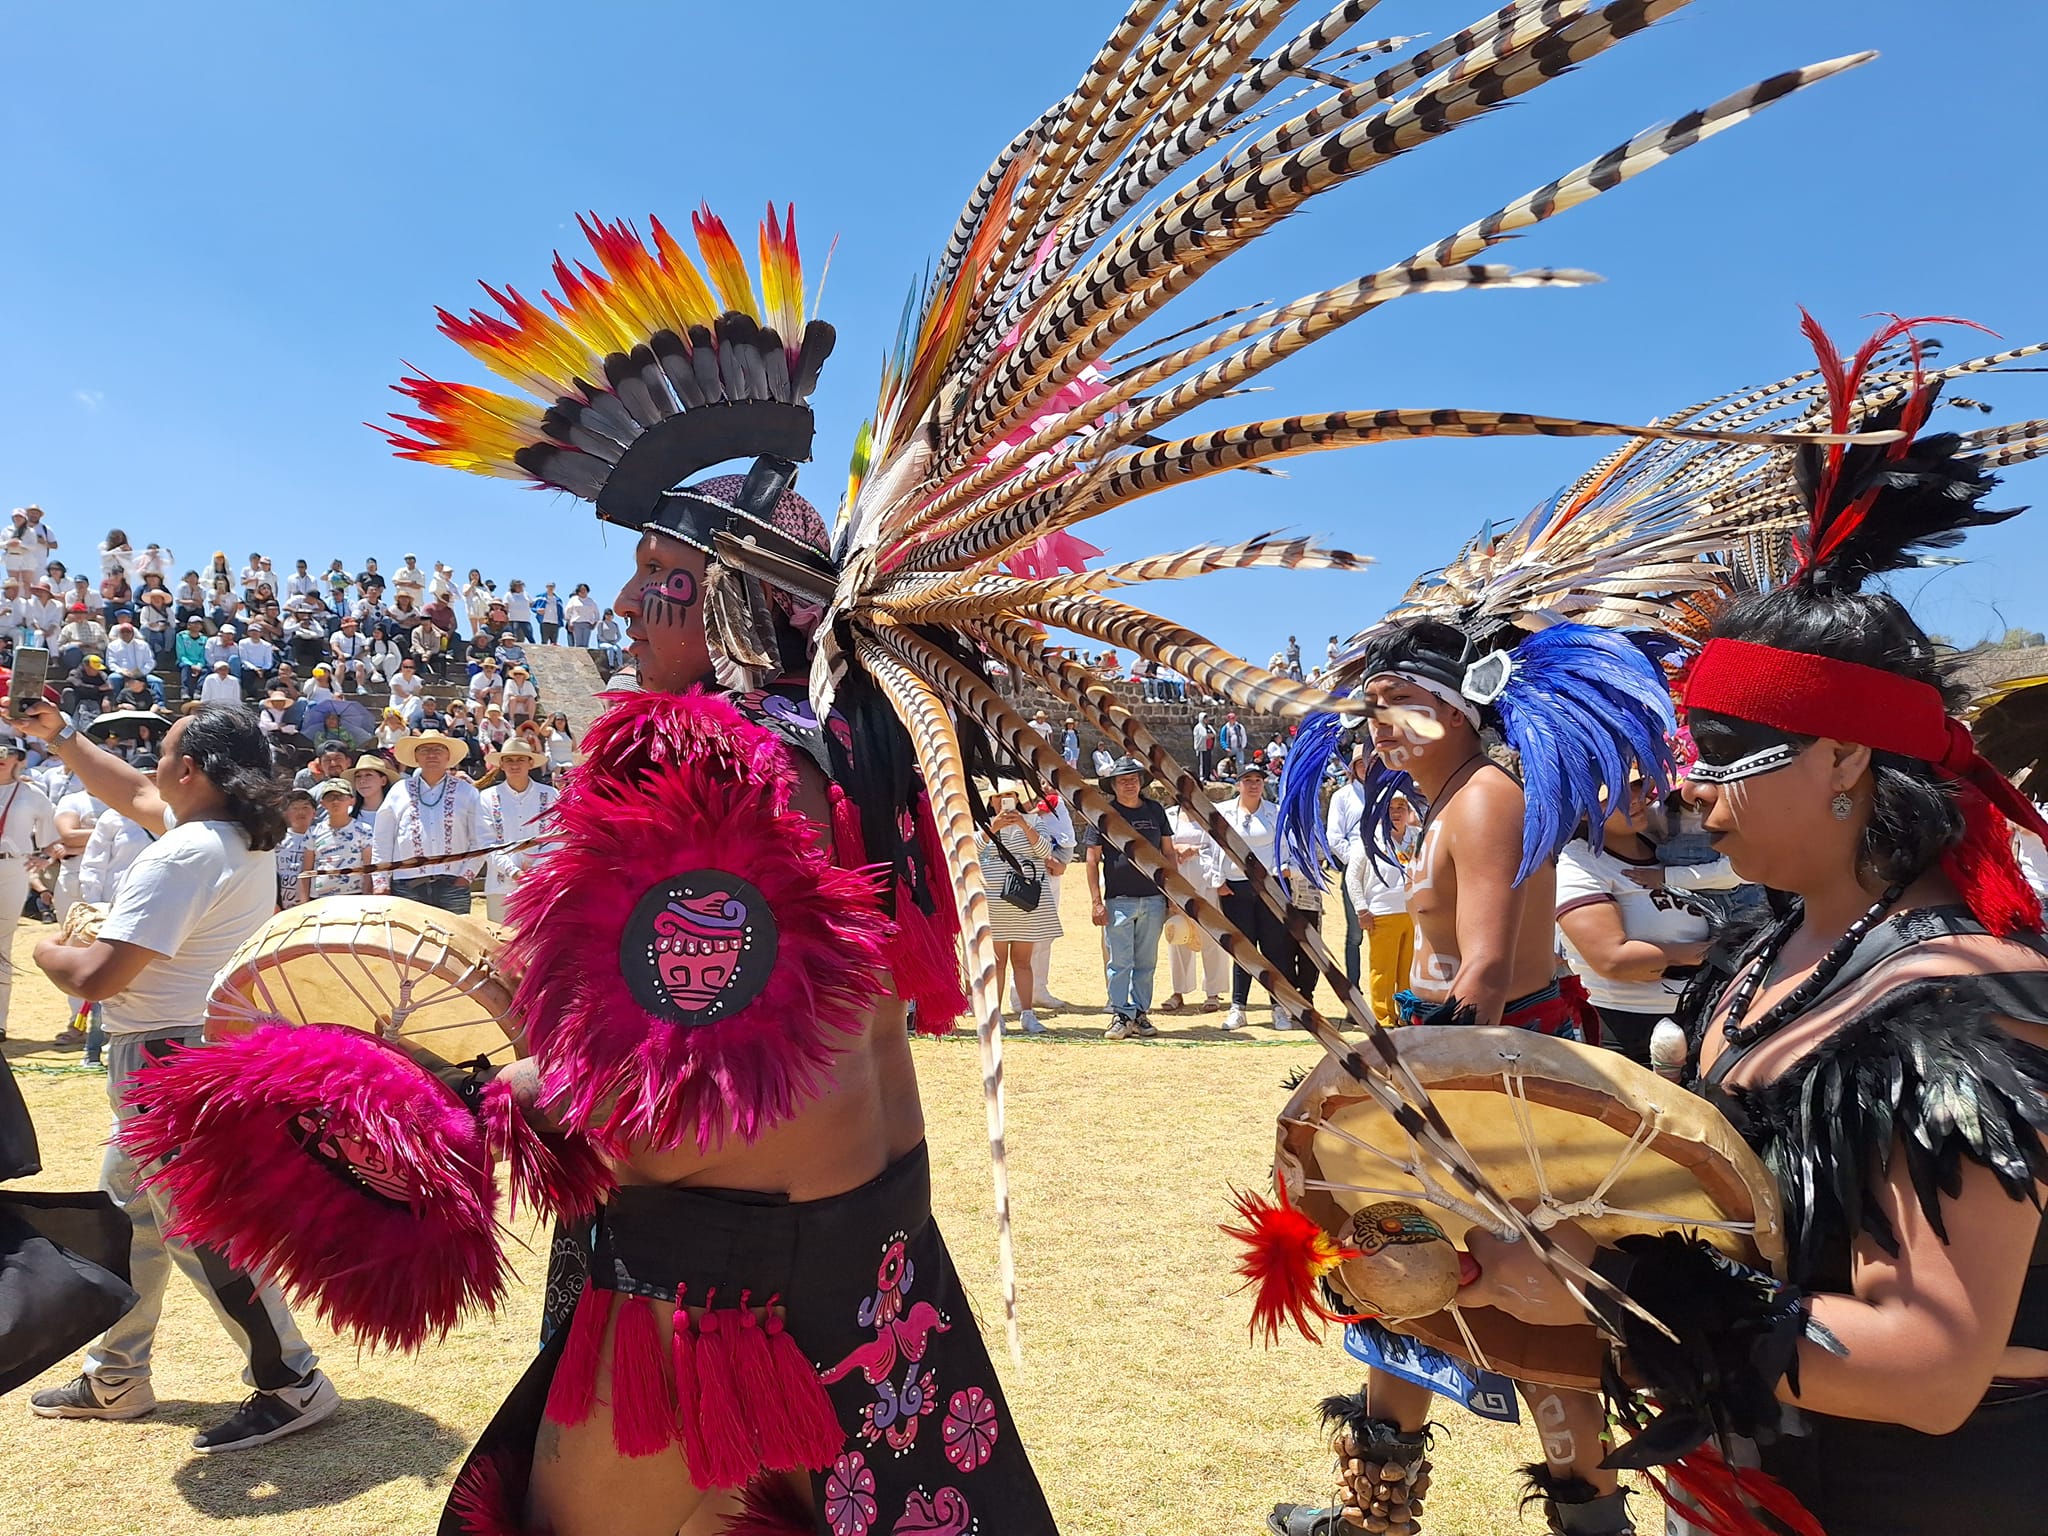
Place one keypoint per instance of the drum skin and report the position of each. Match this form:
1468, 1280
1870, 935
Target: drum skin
416, 976
1585, 1108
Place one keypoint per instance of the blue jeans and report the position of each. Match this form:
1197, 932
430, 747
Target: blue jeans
1134, 926
444, 891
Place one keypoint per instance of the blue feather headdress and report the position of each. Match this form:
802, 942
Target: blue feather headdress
1583, 707
1304, 836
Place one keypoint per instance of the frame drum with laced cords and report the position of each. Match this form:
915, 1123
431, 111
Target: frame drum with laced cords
1564, 1131
412, 975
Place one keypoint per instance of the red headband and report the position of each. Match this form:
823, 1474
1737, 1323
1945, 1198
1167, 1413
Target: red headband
1805, 695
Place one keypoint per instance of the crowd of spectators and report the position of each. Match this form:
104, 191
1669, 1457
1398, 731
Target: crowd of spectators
352, 653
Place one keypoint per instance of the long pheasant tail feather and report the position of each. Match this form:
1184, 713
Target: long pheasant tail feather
937, 744
978, 701
1079, 690
1181, 650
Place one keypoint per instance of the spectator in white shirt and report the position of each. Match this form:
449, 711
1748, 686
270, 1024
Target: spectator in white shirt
259, 659
351, 653
522, 698
519, 610
117, 556
547, 612
301, 582
226, 645
43, 615
38, 536
1256, 822
1377, 890
430, 813
486, 687
608, 637
581, 615
406, 689
220, 687
512, 812
409, 580
128, 654
441, 585
256, 570
1341, 830
28, 825
476, 599
81, 637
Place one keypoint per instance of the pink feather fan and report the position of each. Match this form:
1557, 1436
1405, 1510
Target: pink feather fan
690, 958
330, 1161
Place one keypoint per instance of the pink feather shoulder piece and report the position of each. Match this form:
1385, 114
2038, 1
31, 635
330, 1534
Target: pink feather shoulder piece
690, 959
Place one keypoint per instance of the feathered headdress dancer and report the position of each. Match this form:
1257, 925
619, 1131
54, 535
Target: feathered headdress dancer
1007, 413
1869, 509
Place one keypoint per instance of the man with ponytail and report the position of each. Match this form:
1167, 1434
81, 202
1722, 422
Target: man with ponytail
203, 886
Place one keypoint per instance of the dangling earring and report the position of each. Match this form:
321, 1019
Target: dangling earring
1842, 805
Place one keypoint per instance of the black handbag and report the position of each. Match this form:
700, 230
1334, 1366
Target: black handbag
1022, 888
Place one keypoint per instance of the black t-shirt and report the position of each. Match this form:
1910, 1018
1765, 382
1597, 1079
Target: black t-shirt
1119, 876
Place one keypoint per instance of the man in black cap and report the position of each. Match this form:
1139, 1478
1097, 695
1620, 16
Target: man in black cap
332, 763
1126, 902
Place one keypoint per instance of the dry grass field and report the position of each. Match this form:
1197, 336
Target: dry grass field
1147, 1411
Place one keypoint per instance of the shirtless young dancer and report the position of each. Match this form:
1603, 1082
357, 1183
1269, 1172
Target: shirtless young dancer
1485, 954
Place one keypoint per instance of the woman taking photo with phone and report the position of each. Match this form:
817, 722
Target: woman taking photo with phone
1017, 865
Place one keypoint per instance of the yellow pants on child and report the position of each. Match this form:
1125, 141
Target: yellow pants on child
1389, 957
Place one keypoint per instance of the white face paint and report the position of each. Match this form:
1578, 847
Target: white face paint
1407, 736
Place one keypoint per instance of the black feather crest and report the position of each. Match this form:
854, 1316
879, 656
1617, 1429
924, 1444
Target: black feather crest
1927, 1072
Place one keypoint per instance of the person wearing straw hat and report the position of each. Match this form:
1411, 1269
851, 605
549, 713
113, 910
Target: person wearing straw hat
373, 777
430, 815
512, 811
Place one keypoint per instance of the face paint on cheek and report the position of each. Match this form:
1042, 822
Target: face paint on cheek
669, 601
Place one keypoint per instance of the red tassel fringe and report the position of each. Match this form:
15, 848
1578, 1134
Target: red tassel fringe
814, 1438
573, 1392
643, 1396
683, 1351
731, 1457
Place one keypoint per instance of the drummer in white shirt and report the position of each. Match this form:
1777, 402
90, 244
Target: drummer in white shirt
28, 825
512, 812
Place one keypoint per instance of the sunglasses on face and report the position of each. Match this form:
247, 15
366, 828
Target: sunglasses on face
1748, 766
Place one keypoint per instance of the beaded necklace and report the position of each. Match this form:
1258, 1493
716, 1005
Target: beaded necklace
1800, 997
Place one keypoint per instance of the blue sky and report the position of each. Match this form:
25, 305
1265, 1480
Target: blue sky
228, 224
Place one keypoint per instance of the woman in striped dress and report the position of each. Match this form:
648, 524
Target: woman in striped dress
1014, 852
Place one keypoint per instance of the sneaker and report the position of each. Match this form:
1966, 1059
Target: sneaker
1282, 1019
83, 1398
1234, 1019
1030, 1022
267, 1416
1119, 1029
1053, 1004
1143, 1027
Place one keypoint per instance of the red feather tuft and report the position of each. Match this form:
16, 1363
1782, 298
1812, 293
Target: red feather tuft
1286, 1254
393, 1269
1829, 526
1984, 871
671, 784
1708, 1493
489, 1496
771, 1506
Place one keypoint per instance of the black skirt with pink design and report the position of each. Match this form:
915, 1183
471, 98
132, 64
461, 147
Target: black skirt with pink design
830, 1337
